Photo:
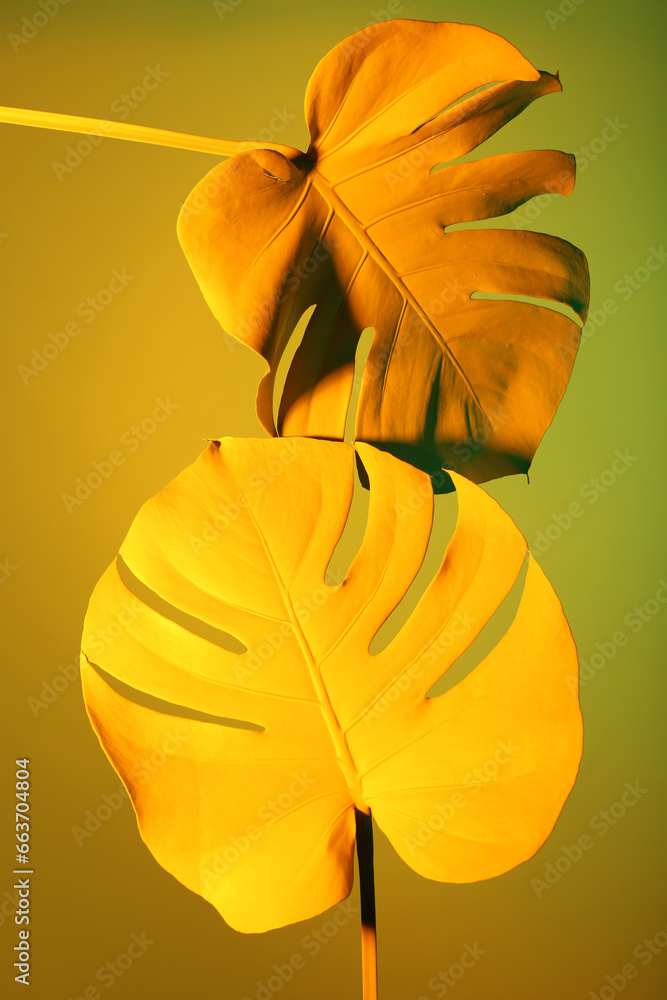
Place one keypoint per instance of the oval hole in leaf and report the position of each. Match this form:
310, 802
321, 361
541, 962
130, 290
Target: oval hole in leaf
287, 358
560, 307
353, 533
465, 158
459, 100
194, 625
361, 353
497, 222
445, 512
491, 634
167, 707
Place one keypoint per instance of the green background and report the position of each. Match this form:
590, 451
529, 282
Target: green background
60, 241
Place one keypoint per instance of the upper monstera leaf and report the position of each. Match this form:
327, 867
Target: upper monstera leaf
261, 822
358, 228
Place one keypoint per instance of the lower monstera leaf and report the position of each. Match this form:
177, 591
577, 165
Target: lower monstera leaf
275, 721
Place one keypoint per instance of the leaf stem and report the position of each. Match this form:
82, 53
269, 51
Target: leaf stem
367, 892
137, 133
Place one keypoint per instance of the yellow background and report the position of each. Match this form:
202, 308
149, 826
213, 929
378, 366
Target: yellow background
60, 241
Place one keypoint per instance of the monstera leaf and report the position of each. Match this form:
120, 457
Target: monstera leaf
261, 821
358, 227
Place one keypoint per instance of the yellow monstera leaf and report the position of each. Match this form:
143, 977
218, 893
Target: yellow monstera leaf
219, 608
359, 228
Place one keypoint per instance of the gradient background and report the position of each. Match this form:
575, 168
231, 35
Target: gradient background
60, 241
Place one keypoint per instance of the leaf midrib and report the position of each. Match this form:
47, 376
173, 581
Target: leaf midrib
358, 230
331, 720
